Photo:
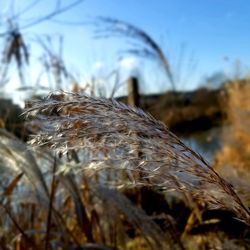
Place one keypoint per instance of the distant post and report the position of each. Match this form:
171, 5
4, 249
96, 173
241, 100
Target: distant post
133, 92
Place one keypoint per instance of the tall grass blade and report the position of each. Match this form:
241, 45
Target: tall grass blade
70, 184
50, 209
9, 189
17, 156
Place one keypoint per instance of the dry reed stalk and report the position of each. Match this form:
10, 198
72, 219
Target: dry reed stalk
108, 133
148, 46
50, 208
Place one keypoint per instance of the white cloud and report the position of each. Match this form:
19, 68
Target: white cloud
98, 65
128, 63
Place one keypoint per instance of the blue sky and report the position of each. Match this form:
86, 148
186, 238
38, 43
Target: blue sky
214, 34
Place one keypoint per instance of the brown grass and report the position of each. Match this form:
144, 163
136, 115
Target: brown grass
233, 160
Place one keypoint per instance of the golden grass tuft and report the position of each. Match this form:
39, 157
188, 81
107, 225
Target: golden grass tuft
233, 160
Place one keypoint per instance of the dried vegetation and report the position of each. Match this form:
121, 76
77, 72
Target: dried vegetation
71, 188
233, 160
104, 148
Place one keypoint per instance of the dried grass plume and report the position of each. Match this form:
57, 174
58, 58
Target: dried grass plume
112, 135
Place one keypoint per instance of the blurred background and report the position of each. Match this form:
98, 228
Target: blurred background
185, 62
